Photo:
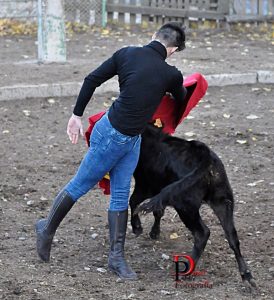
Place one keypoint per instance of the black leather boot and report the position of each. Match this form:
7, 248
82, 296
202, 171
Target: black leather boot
117, 232
45, 228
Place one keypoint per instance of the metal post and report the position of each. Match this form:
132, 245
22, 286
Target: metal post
51, 31
104, 17
40, 31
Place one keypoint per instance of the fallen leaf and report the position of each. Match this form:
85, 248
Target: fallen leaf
158, 123
51, 101
94, 236
252, 117
255, 182
101, 270
189, 134
241, 142
165, 257
164, 292
105, 32
26, 113
174, 236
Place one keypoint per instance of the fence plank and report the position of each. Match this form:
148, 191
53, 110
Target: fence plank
186, 7
205, 5
261, 7
152, 3
253, 4
244, 7
223, 7
180, 4
127, 14
138, 17
115, 15
186, 4
270, 7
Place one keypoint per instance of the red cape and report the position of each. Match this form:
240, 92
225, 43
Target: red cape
167, 112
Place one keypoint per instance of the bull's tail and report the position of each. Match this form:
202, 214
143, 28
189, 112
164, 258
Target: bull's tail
170, 194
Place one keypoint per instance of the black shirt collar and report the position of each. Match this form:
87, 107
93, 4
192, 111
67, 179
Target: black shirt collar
160, 48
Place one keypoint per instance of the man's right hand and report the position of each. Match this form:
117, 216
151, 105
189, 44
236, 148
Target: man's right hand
74, 128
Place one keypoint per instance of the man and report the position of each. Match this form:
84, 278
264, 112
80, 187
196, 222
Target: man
144, 78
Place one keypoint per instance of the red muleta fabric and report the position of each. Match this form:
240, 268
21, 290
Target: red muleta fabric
167, 111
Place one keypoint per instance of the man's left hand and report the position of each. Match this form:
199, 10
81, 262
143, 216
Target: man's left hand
74, 128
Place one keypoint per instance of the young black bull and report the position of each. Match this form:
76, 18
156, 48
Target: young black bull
183, 174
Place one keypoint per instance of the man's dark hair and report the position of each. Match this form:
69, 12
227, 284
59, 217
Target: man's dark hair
172, 35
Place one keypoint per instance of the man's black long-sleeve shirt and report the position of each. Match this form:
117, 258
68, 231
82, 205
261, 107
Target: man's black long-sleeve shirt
144, 78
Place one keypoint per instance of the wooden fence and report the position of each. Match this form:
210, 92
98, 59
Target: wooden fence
161, 11
251, 10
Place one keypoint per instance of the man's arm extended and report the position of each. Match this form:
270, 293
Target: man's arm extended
92, 81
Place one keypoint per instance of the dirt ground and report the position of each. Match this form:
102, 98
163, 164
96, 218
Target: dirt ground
207, 52
37, 159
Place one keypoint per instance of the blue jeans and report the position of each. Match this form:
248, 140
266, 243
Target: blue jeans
110, 151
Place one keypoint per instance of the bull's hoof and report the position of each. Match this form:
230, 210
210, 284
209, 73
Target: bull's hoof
155, 235
137, 230
249, 282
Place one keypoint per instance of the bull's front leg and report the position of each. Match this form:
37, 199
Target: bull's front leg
155, 230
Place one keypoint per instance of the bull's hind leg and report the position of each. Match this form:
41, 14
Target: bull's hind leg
155, 230
223, 208
137, 197
193, 221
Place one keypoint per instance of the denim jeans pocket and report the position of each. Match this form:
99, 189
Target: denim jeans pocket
96, 139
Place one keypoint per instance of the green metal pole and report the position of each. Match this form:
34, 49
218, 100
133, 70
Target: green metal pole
40, 31
104, 3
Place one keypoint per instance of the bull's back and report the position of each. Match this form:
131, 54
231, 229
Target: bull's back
165, 159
